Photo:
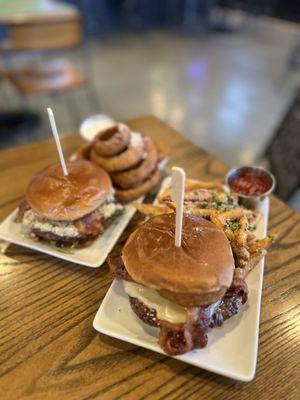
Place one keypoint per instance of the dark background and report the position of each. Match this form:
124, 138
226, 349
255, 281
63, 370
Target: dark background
107, 15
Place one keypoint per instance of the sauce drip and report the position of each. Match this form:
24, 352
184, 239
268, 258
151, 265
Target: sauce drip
250, 185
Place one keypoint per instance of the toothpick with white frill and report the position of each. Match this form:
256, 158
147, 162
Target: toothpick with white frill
177, 195
57, 141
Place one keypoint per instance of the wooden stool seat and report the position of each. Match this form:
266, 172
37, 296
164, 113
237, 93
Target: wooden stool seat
48, 77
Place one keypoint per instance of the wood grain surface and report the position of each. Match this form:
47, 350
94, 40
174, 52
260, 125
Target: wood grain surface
48, 347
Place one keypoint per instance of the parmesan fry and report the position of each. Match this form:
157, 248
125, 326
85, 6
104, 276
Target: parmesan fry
237, 213
201, 212
241, 236
200, 195
218, 220
254, 260
221, 196
192, 185
258, 245
241, 252
170, 204
151, 209
250, 236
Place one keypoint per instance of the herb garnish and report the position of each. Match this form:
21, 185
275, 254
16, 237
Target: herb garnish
203, 205
63, 249
250, 228
233, 225
116, 214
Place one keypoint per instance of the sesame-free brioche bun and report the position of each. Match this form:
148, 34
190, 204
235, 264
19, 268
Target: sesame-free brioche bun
57, 197
197, 273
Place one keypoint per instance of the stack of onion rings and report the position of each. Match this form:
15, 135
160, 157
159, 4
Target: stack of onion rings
126, 179
130, 158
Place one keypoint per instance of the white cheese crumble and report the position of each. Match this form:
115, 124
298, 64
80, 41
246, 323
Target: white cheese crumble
109, 209
32, 221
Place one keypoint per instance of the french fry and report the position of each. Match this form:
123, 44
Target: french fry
254, 260
218, 220
221, 196
240, 263
194, 185
201, 195
201, 212
241, 235
241, 252
237, 213
258, 245
151, 209
170, 205
250, 236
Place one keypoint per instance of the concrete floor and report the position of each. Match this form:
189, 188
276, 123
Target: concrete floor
225, 92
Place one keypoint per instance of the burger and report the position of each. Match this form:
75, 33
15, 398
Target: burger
184, 290
68, 210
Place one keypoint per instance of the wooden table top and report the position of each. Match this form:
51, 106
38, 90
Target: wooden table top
31, 11
48, 347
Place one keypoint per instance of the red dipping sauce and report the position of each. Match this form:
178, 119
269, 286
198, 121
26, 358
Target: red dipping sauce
250, 185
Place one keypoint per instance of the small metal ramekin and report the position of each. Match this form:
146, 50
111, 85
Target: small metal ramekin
252, 202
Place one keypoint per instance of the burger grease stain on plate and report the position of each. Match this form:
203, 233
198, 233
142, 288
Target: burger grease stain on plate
232, 348
92, 256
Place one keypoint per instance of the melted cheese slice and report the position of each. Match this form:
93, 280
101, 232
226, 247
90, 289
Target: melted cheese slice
165, 309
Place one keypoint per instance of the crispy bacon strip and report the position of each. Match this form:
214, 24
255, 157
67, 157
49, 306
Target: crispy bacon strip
91, 224
177, 339
23, 207
117, 269
239, 288
228, 307
234, 298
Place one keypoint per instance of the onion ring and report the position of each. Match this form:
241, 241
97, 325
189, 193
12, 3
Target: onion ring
129, 178
125, 160
83, 151
112, 141
127, 195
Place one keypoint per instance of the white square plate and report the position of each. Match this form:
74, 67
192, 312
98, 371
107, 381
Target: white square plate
232, 348
91, 256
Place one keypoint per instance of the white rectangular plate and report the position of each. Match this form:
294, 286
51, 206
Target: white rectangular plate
232, 348
91, 256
